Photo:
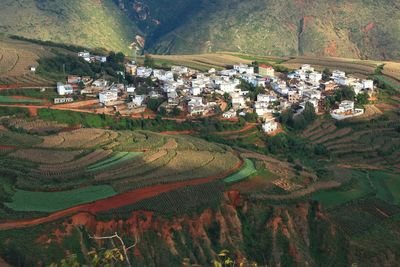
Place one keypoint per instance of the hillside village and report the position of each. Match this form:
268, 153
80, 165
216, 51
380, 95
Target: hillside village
254, 93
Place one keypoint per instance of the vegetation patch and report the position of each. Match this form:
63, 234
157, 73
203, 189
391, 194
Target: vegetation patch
12, 100
55, 201
245, 172
117, 158
358, 187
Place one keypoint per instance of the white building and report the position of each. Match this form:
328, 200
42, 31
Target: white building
228, 86
138, 100
85, 55
346, 110
163, 75
266, 98
106, 97
195, 91
315, 77
238, 101
196, 106
243, 68
312, 94
368, 84
337, 74
307, 68
64, 89
100, 83
130, 89
270, 126
180, 70
230, 114
144, 72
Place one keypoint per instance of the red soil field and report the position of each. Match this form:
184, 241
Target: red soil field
246, 128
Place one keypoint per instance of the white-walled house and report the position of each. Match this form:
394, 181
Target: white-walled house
346, 110
100, 83
195, 91
138, 100
108, 96
144, 72
368, 84
270, 126
243, 68
315, 77
64, 89
230, 114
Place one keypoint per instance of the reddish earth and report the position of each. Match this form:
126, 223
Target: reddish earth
331, 50
246, 128
117, 201
8, 147
368, 28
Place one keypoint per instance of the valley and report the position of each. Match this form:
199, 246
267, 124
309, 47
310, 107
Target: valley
180, 156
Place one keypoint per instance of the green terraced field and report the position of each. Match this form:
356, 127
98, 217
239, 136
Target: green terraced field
245, 172
359, 187
6, 99
117, 158
387, 185
55, 201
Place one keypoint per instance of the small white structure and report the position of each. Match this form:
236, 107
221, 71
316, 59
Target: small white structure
270, 126
243, 68
368, 84
180, 70
196, 106
195, 91
346, 110
32, 68
101, 83
315, 77
63, 100
229, 114
64, 89
144, 72
106, 97
227, 86
163, 75
130, 89
138, 100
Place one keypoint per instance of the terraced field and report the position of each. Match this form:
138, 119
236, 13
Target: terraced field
372, 142
16, 57
70, 163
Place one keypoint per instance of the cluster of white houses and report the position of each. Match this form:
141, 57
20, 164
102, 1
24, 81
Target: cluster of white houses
198, 93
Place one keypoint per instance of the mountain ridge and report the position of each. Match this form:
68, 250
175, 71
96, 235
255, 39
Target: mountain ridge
358, 29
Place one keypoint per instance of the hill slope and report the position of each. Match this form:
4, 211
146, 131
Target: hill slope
359, 28
93, 23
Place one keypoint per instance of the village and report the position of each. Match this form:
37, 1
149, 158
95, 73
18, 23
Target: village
257, 93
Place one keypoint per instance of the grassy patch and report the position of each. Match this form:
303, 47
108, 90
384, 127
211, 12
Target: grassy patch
245, 172
6, 99
387, 186
117, 158
54, 201
357, 188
